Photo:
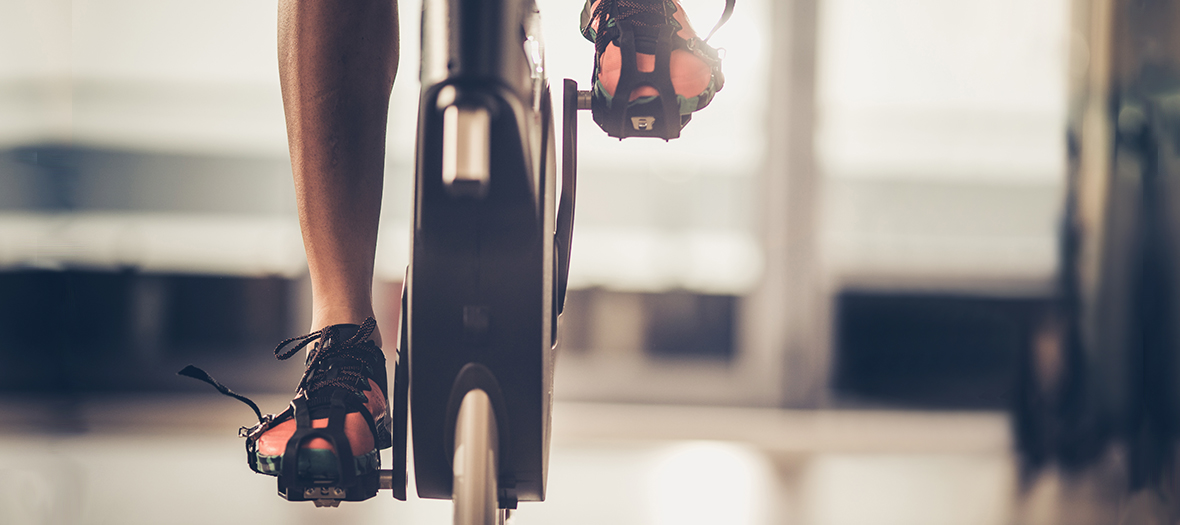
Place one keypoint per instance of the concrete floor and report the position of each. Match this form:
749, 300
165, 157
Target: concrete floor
176, 459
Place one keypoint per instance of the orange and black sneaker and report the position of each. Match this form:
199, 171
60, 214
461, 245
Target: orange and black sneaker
325, 446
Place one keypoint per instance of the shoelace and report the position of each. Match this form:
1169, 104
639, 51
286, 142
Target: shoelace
348, 375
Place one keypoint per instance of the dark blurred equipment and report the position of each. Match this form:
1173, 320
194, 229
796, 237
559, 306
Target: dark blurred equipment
74, 331
930, 350
1103, 365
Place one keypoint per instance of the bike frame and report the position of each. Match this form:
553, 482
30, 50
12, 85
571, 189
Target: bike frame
488, 264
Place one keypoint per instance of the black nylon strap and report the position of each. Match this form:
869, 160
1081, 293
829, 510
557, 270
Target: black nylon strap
344, 458
724, 18
302, 413
338, 412
290, 468
201, 375
372, 424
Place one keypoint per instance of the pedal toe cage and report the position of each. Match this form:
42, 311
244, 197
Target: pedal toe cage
325, 492
657, 116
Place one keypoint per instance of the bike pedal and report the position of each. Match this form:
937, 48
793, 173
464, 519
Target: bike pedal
329, 493
325, 496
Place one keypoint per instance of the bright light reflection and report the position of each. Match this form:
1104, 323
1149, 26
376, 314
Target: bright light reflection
709, 483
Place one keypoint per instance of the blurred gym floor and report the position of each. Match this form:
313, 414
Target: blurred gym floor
176, 459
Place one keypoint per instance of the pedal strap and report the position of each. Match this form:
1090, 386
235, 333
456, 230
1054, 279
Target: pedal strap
724, 18
201, 375
333, 434
265, 422
656, 118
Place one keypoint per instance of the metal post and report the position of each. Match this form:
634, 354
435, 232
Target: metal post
787, 332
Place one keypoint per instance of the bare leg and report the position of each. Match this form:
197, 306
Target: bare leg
337, 60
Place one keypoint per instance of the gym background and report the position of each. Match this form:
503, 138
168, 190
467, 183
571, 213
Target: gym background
813, 308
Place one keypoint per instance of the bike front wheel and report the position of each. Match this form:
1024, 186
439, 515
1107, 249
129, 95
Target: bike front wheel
474, 489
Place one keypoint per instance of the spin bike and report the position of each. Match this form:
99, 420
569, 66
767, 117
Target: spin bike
489, 261
491, 251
